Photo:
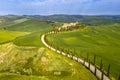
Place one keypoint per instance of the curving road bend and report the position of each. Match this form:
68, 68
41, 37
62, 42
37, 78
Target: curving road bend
91, 67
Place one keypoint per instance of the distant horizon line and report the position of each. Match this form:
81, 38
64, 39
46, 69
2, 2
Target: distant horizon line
60, 14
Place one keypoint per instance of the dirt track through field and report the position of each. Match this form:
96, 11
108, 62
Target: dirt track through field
86, 64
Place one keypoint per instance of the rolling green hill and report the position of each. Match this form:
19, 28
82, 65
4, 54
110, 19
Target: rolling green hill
102, 41
23, 56
27, 24
6, 36
9, 18
26, 62
32, 63
87, 19
32, 39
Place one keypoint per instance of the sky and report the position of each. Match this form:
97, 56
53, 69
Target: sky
50, 7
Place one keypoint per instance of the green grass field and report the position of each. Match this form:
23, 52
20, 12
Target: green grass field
6, 36
27, 25
32, 63
12, 76
32, 39
24, 57
103, 41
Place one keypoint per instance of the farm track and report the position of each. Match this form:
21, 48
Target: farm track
91, 67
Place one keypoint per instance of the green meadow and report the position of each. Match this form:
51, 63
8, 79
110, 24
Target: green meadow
24, 57
102, 41
38, 63
6, 36
27, 25
32, 39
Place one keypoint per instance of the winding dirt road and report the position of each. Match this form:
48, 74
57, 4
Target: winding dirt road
91, 67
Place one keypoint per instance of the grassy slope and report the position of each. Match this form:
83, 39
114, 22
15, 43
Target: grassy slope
27, 24
32, 39
6, 36
102, 41
24, 61
10, 76
38, 63
35, 26
91, 20
8, 19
